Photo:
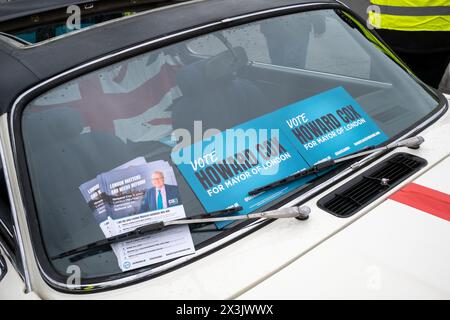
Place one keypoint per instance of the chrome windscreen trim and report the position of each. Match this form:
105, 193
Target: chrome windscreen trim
232, 236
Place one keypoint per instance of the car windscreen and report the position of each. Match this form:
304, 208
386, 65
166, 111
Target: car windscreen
191, 127
41, 26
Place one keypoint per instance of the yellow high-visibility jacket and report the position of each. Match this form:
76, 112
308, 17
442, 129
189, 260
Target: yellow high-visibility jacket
411, 15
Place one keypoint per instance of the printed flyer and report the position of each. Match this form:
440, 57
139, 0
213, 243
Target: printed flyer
222, 170
135, 194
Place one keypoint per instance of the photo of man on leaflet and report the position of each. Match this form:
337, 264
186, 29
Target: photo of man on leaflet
161, 195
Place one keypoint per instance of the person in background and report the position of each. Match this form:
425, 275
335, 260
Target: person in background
418, 31
161, 195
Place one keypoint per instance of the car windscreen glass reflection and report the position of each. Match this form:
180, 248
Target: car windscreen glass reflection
198, 124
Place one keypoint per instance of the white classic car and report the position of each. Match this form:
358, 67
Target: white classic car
161, 150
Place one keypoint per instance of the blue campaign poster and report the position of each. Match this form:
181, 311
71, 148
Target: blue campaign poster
328, 126
222, 170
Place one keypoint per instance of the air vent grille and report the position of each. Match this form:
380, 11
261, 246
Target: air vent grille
373, 183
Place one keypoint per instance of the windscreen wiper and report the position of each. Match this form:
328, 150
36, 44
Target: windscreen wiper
301, 213
413, 143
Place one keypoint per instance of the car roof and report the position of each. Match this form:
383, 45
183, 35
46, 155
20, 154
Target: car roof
21, 8
24, 67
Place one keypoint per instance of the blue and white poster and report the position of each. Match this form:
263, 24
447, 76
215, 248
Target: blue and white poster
222, 169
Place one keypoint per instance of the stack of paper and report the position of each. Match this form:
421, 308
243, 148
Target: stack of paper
133, 195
